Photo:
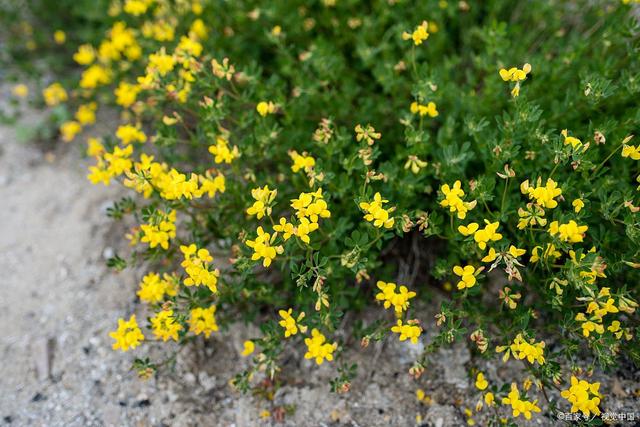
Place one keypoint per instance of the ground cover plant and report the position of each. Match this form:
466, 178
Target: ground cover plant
292, 162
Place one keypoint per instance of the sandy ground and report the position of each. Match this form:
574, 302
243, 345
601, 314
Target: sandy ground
58, 302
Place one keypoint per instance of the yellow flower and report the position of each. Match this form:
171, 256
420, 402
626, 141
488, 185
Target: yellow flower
153, 289
399, 300
248, 348
569, 232
197, 264
263, 198
20, 90
514, 74
86, 114
311, 206
530, 350
161, 62
94, 76
54, 94
481, 381
543, 195
128, 335
126, 94
263, 108
221, 151
85, 54
583, 396
487, 234
415, 164
129, 133
570, 140
59, 37
453, 199
164, 325
262, 247
160, 230
408, 331
429, 109
631, 151
418, 35
301, 161
368, 134
468, 230
223, 70
318, 348
290, 324
519, 406
375, 213
69, 130
489, 398
577, 204
467, 276
203, 321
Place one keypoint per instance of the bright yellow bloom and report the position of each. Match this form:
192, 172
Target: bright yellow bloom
549, 252
375, 213
164, 325
515, 74
126, 94
94, 147
399, 300
86, 114
519, 406
318, 348
453, 199
262, 247
85, 54
160, 230
152, 288
467, 276
290, 324
263, 199
69, 130
577, 204
59, 37
203, 321
301, 161
248, 348
311, 206
468, 230
429, 109
128, 335
54, 94
543, 195
631, 151
94, 76
570, 140
487, 234
569, 232
161, 62
583, 396
263, 108
130, 133
523, 349
481, 381
221, 151
408, 331
418, 35
197, 265
136, 7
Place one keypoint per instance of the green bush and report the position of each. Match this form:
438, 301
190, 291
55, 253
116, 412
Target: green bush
332, 149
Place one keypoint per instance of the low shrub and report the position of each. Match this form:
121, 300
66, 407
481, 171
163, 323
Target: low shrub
295, 161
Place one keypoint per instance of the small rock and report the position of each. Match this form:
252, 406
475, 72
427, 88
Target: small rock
443, 416
42, 353
454, 359
108, 252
